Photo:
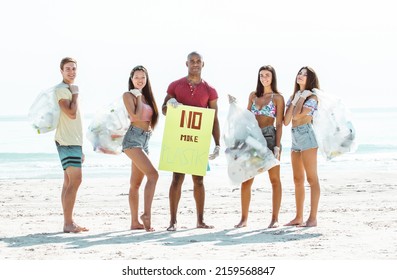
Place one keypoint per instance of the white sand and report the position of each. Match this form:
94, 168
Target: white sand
357, 220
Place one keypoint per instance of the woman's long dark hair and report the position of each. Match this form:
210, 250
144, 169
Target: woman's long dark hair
259, 87
147, 92
311, 80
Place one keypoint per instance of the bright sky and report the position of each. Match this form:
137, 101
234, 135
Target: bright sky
351, 45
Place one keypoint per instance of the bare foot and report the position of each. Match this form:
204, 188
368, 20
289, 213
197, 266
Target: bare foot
273, 224
241, 224
294, 222
137, 226
205, 226
172, 227
73, 228
146, 222
309, 224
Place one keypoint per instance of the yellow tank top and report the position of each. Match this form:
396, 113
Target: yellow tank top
69, 131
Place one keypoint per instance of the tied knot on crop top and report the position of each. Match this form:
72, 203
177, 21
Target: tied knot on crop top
146, 116
268, 110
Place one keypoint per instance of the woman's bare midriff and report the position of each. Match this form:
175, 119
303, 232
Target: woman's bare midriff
301, 121
264, 121
144, 125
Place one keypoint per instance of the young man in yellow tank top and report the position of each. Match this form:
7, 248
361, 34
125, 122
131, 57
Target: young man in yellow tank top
69, 141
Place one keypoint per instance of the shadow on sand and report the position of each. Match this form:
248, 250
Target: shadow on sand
227, 237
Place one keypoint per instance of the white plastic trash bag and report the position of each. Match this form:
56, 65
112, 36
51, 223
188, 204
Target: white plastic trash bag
247, 153
333, 126
108, 127
44, 112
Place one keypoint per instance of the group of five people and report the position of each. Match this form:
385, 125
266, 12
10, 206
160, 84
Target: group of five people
266, 103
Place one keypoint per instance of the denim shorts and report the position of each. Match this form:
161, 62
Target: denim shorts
269, 132
70, 155
303, 138
136, 138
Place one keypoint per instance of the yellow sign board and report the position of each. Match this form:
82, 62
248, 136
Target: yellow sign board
186, 139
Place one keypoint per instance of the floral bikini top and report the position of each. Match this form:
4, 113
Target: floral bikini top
268, 110
310, 103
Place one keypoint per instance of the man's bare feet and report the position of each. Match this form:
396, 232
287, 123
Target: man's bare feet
241, 224
203, 225
73, 228
172, 227
294, 222
137, 226
309, 224
273, 224
146, 223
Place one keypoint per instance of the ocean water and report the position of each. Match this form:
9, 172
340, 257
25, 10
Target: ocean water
25, 154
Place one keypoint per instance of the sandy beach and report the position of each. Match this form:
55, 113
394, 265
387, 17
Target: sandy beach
357, 221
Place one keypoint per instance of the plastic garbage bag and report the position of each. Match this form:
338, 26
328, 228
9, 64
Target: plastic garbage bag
246, 151
108, 127
44, 112
333, 126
